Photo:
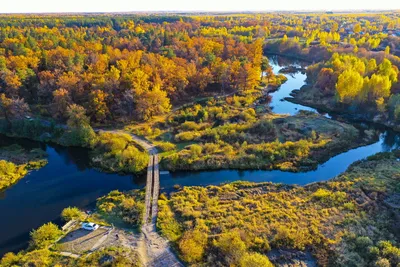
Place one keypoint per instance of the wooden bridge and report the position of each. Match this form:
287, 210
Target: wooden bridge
159, 252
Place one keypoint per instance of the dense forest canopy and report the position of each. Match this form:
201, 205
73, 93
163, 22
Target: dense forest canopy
197, 86
135, 66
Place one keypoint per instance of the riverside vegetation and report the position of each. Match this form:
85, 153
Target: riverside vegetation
352, 220
363, 87
111, 152
74, 72
227, 134
16, 162
131, 68
117, 208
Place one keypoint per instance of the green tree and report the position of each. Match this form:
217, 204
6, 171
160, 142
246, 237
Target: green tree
80, 132
77, 116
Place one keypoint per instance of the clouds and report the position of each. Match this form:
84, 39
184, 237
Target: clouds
27, 6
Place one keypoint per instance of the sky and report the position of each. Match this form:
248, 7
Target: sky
45, 6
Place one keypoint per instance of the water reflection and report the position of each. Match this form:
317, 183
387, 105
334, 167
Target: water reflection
295, 81
68, 180
388, 140
391, 141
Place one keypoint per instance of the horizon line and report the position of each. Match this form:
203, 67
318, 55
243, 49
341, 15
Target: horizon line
202, 11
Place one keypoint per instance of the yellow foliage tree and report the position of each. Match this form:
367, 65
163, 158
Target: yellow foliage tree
349, 85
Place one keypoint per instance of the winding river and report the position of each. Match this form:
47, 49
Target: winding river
68, 179
388, 140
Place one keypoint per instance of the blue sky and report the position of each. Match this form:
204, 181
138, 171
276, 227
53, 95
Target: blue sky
27, 6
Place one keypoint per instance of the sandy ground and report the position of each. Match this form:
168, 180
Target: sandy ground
79, 241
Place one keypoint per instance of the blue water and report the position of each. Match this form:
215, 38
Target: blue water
388, 140
326, 171
67, 180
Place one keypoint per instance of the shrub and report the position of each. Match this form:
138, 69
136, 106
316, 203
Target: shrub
196, 150
167, 223
232, 247
118, 153
9, 259
166, 146
382, 262
45, 235
190, 126
81, 137
192, 245
329, 197
127, 207
187, 136
10, 173
255, 260
72, 213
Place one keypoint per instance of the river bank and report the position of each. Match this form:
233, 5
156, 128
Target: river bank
70, 180
350, 219
303, 97
16, 163
67, 180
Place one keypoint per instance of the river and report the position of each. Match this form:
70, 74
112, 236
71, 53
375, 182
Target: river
388, 140
68, 179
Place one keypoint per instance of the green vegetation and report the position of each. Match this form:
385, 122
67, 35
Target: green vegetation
362, 86
228, 133
78, 133
348, 221
112, 256
113, 152
16, 162
76, 71
45, 236
72, 213
119, 209
117, 152
122, 208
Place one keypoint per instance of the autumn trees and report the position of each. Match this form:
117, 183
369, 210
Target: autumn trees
12, 108
349, 85
357, 81
125, 68
131, 67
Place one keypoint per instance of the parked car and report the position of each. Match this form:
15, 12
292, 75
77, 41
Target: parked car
29, 118
90, 226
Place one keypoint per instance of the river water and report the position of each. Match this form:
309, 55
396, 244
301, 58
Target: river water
68, 179
388, 140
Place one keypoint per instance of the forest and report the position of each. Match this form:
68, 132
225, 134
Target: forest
198, 88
